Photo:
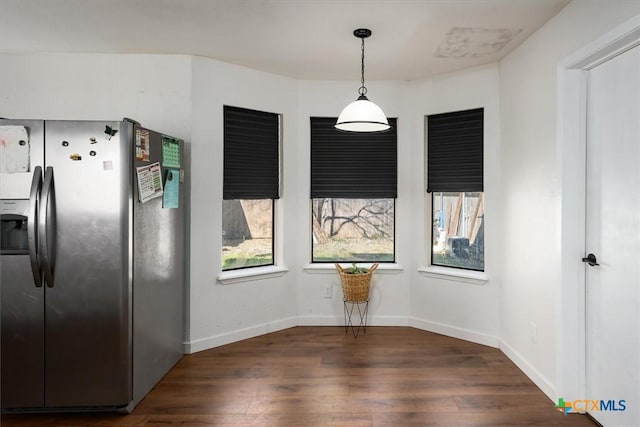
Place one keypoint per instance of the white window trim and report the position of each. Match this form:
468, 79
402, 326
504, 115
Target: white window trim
251, 274
455, 274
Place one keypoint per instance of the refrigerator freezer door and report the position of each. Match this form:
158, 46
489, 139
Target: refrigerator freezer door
88, 309
22, 311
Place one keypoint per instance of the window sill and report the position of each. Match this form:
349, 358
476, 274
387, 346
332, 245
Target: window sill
326, 268
455, 274
251, 274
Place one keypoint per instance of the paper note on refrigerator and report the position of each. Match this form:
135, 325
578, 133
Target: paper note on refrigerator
14, 149
170, 198
142, 145
170, 152
149, 182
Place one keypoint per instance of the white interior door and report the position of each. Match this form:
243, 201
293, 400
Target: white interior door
613, 237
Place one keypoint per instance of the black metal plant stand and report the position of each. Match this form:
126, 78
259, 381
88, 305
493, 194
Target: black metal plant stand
349, 308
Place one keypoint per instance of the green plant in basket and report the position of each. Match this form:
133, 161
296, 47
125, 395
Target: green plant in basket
354, 269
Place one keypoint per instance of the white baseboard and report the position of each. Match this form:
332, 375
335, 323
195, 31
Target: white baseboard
534, 375
311, 320
239, 335
339, 321
454, 332
277, 325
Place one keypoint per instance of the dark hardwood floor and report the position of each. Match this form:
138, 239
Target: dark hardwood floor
318, 376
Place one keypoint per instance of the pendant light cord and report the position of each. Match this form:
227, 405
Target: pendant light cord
362, 90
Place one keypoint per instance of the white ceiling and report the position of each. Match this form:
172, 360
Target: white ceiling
304, 39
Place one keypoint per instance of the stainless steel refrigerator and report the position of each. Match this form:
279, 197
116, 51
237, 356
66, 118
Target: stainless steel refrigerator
91, 263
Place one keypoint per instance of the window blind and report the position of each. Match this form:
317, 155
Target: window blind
251, 155
351, 164
455, 146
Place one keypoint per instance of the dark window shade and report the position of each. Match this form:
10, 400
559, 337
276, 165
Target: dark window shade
251, 159
351, 164
455, 151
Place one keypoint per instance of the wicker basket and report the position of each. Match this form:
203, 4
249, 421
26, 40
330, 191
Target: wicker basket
355, 287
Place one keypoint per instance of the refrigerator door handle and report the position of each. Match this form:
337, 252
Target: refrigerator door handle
46, 221
32, 225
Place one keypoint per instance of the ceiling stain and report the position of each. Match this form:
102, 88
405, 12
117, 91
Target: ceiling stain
462, 42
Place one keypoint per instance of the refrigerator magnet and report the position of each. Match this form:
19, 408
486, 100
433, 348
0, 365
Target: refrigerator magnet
109, 131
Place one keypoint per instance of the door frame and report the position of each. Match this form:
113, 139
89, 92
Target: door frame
571, 136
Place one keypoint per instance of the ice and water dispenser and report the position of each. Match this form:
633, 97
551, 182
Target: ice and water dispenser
13, 227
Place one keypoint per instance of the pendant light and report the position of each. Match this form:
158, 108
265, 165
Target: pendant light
362, 115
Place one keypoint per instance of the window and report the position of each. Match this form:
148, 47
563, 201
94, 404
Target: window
247, 233
455, 180
353, 230
251, 187
458, 231
353, 192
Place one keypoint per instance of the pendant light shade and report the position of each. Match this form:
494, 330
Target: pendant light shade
362, 115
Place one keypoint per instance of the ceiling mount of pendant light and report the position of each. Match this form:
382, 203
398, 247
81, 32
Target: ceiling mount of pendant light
362, 115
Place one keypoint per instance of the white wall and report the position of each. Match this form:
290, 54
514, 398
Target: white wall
224, 313
452, 306
531, 187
